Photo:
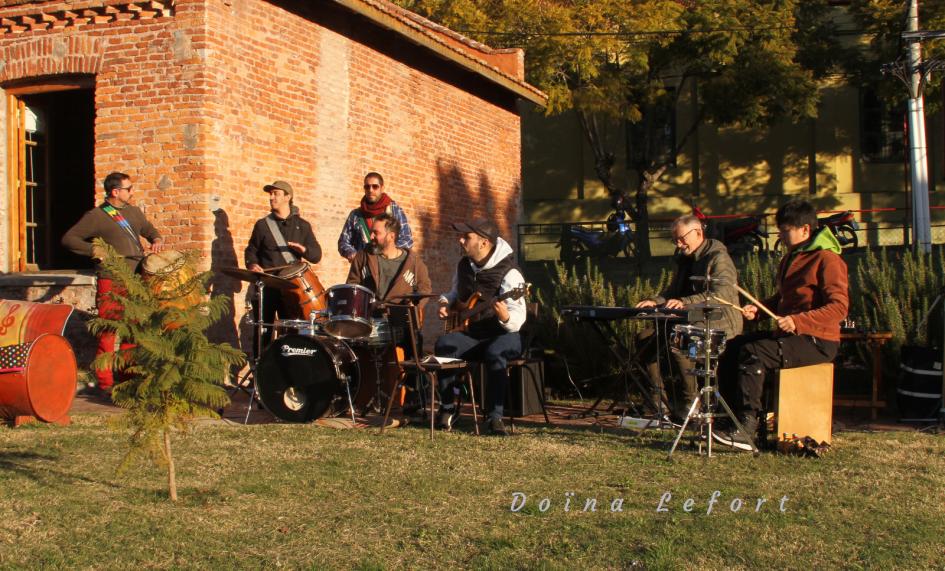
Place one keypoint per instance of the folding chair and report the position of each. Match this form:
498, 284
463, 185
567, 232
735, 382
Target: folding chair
428, 368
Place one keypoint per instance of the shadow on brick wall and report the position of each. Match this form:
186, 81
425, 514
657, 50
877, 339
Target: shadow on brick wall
223, 255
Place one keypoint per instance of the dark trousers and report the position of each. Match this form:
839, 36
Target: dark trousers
651, 346
493, 352
748, 358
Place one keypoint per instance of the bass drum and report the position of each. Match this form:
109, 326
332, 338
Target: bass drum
301, 378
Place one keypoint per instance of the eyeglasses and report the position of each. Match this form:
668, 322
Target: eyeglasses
371, 186
682, 238
128, 188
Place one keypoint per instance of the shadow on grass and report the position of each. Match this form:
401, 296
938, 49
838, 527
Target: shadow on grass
32, 465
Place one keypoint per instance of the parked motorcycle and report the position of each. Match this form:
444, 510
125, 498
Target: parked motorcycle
843, 225
739, 235
578, 243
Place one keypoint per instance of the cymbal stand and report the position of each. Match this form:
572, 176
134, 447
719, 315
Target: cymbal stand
703, 408
257, 351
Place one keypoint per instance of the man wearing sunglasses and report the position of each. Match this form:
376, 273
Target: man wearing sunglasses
696, 256
121, 225
356, 234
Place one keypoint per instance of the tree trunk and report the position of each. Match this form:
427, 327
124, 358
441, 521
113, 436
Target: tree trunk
171, 476
648, 178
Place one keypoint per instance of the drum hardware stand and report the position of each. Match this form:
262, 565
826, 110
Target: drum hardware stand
253, 391
704, 399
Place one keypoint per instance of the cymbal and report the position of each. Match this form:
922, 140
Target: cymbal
268, 280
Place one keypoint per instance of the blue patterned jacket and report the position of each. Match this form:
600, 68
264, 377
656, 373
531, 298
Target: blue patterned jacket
355, 235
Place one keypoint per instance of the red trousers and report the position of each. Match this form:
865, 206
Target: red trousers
108, 341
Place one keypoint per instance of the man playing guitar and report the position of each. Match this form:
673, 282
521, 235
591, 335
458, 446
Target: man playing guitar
487, 268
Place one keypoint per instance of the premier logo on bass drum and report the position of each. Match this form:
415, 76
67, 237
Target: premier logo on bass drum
290, 351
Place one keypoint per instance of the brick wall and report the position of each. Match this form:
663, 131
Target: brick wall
148, 97
206, 105
320, 98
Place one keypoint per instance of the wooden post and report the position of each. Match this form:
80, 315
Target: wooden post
21, 186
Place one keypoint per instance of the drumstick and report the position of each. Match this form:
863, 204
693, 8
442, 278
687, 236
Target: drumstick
760, 305
726, 302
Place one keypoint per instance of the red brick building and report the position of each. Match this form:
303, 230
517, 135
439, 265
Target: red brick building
203, 102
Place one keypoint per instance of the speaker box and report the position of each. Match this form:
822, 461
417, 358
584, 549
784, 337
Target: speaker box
522, 399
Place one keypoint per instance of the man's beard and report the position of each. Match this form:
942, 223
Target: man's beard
375, 248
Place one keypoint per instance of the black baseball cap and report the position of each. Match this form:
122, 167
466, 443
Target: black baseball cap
485, 228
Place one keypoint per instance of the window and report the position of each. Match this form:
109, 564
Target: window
882, 129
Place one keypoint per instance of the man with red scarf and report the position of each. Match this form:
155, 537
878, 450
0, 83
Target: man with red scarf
356, 234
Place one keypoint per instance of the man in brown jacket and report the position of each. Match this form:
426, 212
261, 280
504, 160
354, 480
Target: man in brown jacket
120, 224
384, 268
810, 302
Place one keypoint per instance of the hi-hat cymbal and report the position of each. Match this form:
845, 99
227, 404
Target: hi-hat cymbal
268, 280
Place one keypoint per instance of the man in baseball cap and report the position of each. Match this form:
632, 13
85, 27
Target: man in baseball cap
487, 268
280, 238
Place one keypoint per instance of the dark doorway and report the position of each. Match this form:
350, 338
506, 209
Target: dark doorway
60, 174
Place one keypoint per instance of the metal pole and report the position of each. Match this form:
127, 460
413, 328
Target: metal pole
921, 227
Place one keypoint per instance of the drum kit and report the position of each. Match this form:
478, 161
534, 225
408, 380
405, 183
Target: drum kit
316, 365
704, 346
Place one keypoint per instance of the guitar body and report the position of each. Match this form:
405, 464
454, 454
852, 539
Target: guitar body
462, 313
458, 319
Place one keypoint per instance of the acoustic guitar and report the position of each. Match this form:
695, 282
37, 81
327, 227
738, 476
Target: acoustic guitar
477, 308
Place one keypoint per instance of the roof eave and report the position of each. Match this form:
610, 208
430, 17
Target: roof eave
386, 20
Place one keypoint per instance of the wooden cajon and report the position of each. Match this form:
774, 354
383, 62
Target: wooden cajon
804, 405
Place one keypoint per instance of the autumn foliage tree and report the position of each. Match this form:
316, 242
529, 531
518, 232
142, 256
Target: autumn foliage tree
754, 63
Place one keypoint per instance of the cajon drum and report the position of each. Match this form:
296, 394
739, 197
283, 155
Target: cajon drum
804, 405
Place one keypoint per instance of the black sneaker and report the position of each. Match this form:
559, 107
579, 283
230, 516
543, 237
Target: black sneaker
496, 426
736, 438
447, 419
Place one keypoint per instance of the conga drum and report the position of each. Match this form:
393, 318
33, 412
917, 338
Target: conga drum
170, 277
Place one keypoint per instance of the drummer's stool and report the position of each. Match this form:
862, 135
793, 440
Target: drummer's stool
429, 368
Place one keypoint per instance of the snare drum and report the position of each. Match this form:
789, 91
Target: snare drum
309, 296
349, 311
380, 335
690, 340
297, 327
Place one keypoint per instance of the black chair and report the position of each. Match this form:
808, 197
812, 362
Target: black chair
427, 367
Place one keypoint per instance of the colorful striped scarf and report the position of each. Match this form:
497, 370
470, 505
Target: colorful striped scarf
120, 220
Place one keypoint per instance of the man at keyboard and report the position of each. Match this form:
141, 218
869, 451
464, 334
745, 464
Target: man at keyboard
696, 256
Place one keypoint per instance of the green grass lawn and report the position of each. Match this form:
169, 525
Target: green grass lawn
300, 496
